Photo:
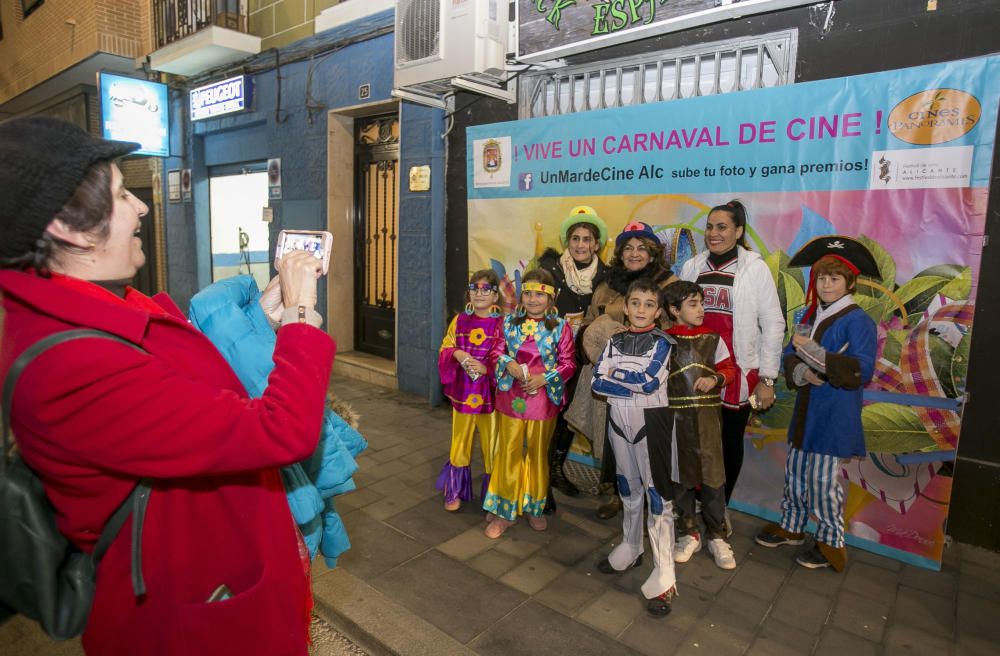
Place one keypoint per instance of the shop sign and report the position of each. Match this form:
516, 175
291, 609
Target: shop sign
554, 28
220, 98
135, 110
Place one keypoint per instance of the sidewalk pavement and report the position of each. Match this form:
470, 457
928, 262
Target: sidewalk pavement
419, 580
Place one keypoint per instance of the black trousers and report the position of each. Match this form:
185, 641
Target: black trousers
734, 424
713, 510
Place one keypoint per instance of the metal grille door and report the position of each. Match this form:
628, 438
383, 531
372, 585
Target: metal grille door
376, 230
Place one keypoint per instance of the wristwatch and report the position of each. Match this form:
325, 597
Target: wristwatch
769, 382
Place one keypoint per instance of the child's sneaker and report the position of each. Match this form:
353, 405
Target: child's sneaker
722, 553
686, 546
812, 559
772, 535
453, 505
660, 606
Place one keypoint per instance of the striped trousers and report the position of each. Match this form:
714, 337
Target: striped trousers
812, 486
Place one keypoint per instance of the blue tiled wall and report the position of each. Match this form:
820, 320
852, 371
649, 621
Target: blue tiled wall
421, 253
298, 136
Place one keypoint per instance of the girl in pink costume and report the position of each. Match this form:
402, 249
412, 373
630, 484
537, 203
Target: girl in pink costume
531, 365
462, 367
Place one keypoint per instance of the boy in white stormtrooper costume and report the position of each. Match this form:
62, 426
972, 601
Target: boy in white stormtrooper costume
632, 373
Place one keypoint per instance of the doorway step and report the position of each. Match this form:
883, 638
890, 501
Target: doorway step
366, 367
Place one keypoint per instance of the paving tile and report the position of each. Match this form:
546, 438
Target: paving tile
689, 607
571, 591
425, 454
912, 641
975, 647
835, 642
737, 610
822, 581
765, 646
467, 544
450, 595
702, 573
980, 580
533, 574
375, 547
600, 530
493, 563
980, 556
357, 499
717, 640
572, 545
871, 581
536, 629
424, 475
925, 611
760, 580
862, 616
393, 485
381, 455
391, 506
876, 560
943, 583
517, 546
613, 611
428, 522
978, 618
383, 470
809, 609
778, 635
653, 636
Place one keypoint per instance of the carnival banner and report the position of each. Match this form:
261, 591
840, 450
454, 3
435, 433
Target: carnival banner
900, 159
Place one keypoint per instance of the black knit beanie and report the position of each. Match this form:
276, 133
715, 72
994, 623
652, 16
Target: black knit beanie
42, 162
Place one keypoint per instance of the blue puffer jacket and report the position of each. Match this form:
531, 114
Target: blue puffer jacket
228, 312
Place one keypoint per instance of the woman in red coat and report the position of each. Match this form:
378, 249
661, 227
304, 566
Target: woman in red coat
93, 416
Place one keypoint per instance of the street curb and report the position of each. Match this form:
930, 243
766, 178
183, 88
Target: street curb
374, 622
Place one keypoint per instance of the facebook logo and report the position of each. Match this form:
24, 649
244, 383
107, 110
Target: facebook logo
524, 182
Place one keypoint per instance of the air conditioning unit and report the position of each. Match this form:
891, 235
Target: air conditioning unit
437, 40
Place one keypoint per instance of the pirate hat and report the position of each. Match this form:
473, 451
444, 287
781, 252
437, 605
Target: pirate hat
846, 249
850, 251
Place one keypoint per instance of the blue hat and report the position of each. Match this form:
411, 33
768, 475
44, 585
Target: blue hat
636, 229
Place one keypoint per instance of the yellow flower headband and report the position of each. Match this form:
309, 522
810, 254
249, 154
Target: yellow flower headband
538, 287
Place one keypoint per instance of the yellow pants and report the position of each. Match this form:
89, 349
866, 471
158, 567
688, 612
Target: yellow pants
520, 480
463, 427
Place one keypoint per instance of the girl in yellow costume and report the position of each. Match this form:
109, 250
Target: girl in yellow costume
471, 336
531, 366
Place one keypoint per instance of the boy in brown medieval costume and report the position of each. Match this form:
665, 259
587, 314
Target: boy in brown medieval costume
700, 366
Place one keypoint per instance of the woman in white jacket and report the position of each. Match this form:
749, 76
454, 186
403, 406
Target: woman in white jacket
741, 304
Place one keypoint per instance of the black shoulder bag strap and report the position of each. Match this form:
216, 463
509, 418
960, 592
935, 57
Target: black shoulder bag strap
135, 503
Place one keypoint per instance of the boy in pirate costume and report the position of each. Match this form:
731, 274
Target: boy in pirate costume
632, 373
829, 360
700, 366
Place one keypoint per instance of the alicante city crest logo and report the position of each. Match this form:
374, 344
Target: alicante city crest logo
492, 156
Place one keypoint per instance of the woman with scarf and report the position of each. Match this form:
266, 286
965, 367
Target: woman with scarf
577, 271
638, 254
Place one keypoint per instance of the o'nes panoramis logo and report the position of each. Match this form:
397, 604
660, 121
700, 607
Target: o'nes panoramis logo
934, 116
